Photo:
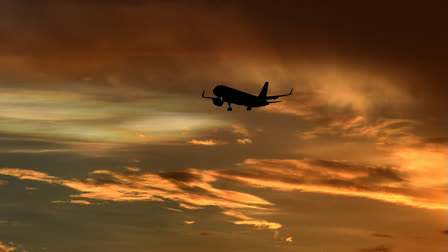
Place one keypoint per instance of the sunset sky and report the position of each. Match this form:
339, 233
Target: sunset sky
107, 145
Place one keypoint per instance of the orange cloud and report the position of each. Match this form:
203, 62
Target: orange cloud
6, 248
335, 177
246, 220
189, 222
191, 188
244, 141
239, 129
209, 142
28, 174
186, 206
358, 126
80, 202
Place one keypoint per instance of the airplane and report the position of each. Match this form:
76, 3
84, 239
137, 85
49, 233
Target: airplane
230, 95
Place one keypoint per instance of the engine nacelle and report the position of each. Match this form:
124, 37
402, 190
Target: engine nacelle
218, 102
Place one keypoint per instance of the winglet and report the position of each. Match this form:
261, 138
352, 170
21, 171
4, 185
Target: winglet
290, 92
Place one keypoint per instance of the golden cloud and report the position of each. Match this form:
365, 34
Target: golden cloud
246, 220
80, 202
6, 248
191, 188
244, 141
28, 174
209, 142
338, 178
186, 206
239, 129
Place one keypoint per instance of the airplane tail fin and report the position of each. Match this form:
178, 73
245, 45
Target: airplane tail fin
264, 90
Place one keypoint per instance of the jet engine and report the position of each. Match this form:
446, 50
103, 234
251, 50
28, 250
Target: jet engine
218, 102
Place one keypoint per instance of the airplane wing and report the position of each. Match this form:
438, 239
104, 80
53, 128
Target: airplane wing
203, 95
275, 97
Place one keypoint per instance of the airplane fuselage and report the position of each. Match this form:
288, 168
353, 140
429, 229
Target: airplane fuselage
230, 95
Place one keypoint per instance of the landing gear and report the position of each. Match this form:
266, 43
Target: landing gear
249, 108
229, 108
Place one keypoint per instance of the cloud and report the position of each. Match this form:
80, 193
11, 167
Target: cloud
80, 202
174, 209
288, 239
6, 248
387, 184
75, 120
58, 201
244, 141
29, 175
358, 126
239, 129
186, 206
209, 142
257, 223
191, 189
189, 222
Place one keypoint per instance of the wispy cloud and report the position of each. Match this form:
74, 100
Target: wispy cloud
80, 202
130, 116
191, 188
186, 206
359, 126
244, 141
240, 129
7, 248
29, 175
386, 184
209, 142
246, 220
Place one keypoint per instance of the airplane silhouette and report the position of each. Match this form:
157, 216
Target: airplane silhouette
230, 95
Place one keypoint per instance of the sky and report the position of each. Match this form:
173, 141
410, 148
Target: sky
107, 145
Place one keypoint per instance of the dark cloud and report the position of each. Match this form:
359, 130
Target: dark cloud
444, 231
180, 176
152, 35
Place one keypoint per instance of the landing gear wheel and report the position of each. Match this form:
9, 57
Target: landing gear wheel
229, 109
248, 108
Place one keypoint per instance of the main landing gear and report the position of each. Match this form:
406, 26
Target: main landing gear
229, 108
249, 108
